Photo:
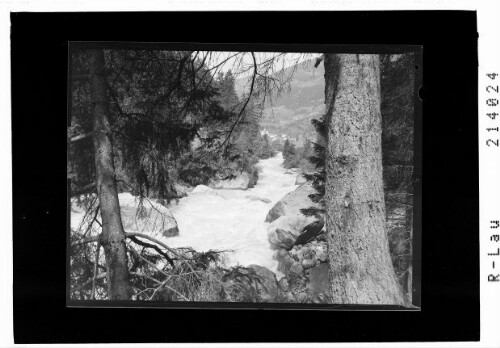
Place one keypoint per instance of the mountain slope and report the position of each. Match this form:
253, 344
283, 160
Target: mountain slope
289, 115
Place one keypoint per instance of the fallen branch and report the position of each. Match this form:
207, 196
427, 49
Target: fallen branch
94, 219
80, 287
147, 245
147, 261
145, 276
170, 288
181, 257
142, 235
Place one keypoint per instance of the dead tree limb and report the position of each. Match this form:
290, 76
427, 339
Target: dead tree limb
158, 250
85, 189
86, 240
83, 285
142, 235
96, 263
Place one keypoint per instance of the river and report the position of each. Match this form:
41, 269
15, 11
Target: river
221, 219
230, 220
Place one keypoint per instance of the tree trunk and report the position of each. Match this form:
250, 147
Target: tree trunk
361, 271
409, 225
113, 235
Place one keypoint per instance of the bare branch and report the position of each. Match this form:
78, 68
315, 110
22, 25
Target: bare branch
96, 263
142, 235
80, 137
85, 189
86, 240
244, 105
158, 250
81, 286
147, 261
145, 276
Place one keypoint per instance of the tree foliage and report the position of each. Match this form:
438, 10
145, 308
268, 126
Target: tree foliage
317, 178
168, 115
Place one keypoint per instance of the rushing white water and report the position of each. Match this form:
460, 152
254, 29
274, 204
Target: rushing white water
230, 220
220, 219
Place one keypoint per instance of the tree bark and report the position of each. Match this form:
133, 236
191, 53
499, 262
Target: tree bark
361, 271
113, 235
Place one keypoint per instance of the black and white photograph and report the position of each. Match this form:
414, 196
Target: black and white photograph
279, 175
242, 176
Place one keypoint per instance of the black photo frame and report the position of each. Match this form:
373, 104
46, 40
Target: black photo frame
449, 250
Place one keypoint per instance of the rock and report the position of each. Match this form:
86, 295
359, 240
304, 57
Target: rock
293, 253
296, 268
318, 280
280, 254
269, 287
285, 261
283, 232
283, 284
256, 198
291, 203
276, 211
300, 180
306, 253
315, 251
240, 182
322, 256
151, 218
308, 263
285, 239
202, 189
171, 232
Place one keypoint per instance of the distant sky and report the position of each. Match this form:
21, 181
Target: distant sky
241, 63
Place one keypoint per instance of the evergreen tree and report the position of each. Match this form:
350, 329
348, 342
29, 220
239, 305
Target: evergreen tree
317, 179
267, 150
142, 109
354, 196
286, 148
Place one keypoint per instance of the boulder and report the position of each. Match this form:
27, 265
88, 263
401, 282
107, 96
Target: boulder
300, 180
150, 217
296, 268
285, 261
308, 263
201, 189
283, 232
316, 251
269, 286
292, 202
256, 198
283, 284
240, 182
